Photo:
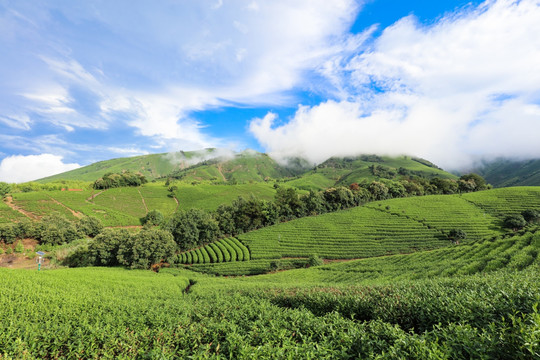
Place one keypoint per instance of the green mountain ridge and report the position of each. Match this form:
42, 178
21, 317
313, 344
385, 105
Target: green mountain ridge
249, 166
506, 172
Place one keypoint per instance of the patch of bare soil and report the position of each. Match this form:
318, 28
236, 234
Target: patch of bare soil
21, 261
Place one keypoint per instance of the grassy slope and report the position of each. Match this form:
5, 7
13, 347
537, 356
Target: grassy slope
151, 166
244, 167
209, 197
124, 206
392, 226
345, 171
7, 214
503, 173
491, 254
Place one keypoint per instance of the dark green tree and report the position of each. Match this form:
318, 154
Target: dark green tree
90, 226
514, 222
457, 235
154, 217
5, 188
531, 215
103, 249
147, 247
191, 228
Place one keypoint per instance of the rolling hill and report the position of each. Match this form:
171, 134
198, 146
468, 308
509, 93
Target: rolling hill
504, 172
221, 167
381, 228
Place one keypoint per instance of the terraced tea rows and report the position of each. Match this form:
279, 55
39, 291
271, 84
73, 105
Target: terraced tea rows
443, 213
224, 250
40, 204
8, 215
513, 253
210, 196
355, 233
506, 201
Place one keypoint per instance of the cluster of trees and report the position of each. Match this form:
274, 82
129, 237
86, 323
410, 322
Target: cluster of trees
54, 229
519, 221
114, 247
113, 180
195, 227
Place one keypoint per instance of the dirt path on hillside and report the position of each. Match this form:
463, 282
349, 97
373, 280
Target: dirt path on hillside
144, 202
91, 198
177, 203
77, 214
9, 202
220, 169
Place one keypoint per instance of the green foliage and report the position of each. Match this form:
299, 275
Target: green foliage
314, 260
5, 188
56, 229
457, 234
154, 217
514, 222
7, 233
103, 250
19, 247
145, 248
192, 228
531, 215
114, 180
90, 226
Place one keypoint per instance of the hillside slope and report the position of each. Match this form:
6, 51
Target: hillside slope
219, 166
504, 172
380, 228
151, 166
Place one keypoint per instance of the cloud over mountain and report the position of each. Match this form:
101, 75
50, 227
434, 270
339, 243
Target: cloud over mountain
462, 88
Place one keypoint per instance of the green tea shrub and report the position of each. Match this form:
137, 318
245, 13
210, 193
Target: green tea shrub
314, 260
224, 250
7, 235
206, 257
211, 253
218, 252
19, 247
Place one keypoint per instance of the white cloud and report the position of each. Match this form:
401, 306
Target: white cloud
465, 87
19, 168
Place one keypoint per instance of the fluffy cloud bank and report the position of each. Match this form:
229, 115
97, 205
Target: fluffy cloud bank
464, 88
19, 168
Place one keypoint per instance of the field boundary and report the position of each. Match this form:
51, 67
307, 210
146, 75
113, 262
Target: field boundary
77, 214
9, 202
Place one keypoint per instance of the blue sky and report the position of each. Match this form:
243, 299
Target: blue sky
82, 81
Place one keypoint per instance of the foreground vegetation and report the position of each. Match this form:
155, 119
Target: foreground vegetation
115, 313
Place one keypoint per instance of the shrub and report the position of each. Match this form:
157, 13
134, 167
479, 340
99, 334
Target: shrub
90, 226
19, 247
314, 260
457, 234
55, 229
154, 217
531, 215
514, 222
7, 235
